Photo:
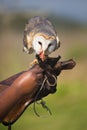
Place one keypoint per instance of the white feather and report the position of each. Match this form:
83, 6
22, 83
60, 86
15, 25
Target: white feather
44, 46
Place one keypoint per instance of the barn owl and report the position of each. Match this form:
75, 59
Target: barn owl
41, 37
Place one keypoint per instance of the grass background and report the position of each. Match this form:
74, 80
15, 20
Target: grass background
69, 103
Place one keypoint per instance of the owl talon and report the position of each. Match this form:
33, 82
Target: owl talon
34, 62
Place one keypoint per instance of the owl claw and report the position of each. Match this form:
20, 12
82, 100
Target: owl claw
34, 62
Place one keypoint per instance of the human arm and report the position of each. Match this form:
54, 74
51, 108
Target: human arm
24, 85
45, 86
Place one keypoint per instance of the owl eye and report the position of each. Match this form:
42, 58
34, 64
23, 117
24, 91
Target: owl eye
50, 45
40, 43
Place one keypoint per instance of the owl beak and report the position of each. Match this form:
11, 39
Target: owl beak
42, 56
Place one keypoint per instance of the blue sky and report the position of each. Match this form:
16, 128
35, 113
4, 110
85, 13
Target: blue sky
75, 9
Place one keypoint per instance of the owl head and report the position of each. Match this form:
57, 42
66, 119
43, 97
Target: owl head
44, 44
41, 37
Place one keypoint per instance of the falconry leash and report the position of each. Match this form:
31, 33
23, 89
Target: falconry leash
42, 102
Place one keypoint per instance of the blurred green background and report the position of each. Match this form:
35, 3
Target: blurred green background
69, 103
